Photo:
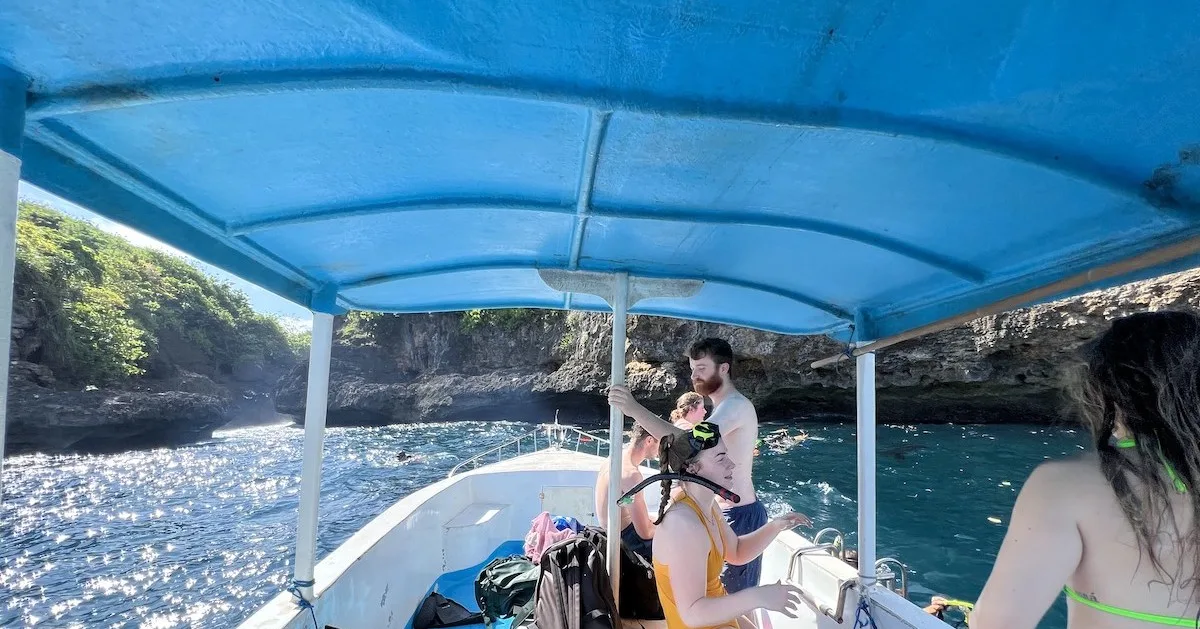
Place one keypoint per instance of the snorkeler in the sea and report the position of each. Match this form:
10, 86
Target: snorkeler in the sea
405, 457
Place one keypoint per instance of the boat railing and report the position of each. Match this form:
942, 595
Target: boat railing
544, 437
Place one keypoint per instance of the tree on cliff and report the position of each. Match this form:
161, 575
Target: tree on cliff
104, 311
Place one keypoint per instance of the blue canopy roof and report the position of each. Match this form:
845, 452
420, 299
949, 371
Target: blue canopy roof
817, 164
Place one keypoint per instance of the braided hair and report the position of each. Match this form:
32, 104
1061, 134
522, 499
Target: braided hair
674, 455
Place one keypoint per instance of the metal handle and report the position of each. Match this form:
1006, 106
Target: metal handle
839, 541
882, 565
838, 610
794, 561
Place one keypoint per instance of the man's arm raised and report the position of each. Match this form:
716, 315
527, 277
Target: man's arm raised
621, 397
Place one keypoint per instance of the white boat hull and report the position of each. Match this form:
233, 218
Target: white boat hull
377, 578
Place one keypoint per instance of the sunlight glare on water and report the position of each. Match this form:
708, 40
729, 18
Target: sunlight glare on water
202, 535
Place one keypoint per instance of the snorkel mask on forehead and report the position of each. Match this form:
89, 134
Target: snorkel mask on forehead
701, 437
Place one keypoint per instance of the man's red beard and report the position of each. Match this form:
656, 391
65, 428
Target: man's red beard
707, 387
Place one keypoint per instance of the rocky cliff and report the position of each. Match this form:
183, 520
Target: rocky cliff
525, 365
174, 406
115, 346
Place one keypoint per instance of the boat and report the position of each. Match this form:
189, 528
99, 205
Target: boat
870, 172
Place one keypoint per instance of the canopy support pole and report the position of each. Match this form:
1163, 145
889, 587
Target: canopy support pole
865, 375
616, 430
314, 443
12, 125
10, 177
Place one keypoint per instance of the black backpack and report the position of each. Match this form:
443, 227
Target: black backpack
574, 590
438, 611
505, 587
639, 590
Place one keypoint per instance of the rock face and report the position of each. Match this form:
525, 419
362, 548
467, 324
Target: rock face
180, 407
56, 420
1003, 368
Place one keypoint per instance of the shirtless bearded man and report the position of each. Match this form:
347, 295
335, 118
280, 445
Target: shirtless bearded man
711, 360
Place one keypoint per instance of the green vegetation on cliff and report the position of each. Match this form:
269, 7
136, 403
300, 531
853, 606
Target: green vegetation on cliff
365, 328
105, 311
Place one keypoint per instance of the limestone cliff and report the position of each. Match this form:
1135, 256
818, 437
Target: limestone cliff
528, 364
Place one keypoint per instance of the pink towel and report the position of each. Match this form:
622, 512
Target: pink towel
543, 534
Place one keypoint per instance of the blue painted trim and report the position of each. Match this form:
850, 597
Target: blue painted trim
58, 174
325, 299
13, 88
933, 259
864, 329
496, 264
504, 264
597, 127
71, 145
837, 330
936, 260
397, 206
903, 318
200, 85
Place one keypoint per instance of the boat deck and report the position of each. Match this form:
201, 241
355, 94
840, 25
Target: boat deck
459, 585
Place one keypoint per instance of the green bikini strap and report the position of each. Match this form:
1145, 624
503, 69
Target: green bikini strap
1170, 621
1180, 486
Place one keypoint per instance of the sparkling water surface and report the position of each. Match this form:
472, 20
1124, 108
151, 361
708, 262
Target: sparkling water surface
202, 535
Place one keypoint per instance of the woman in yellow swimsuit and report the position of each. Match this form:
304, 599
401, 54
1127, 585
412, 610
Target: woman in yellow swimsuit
693, 541
1114, 530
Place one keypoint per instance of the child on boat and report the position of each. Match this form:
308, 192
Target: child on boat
693, 541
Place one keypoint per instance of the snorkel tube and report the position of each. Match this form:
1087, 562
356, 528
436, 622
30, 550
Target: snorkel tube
702, 436
682, 477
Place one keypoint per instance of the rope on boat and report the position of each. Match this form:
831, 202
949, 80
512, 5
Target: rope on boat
848, 351
862, 615
850, 343
294, 588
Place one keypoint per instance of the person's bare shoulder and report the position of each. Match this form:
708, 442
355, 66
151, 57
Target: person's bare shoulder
1065, 481
735, 410
680, 520
629, 477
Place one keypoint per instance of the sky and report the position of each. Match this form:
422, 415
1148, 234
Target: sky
291, 315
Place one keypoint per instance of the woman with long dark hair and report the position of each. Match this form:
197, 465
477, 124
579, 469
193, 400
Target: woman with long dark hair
1115, 530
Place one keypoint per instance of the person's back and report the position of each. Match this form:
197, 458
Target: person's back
636, 527
1112, 553
1114, 530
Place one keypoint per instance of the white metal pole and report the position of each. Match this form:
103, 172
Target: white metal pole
866, 467
616, 429
10, 177
314, 443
